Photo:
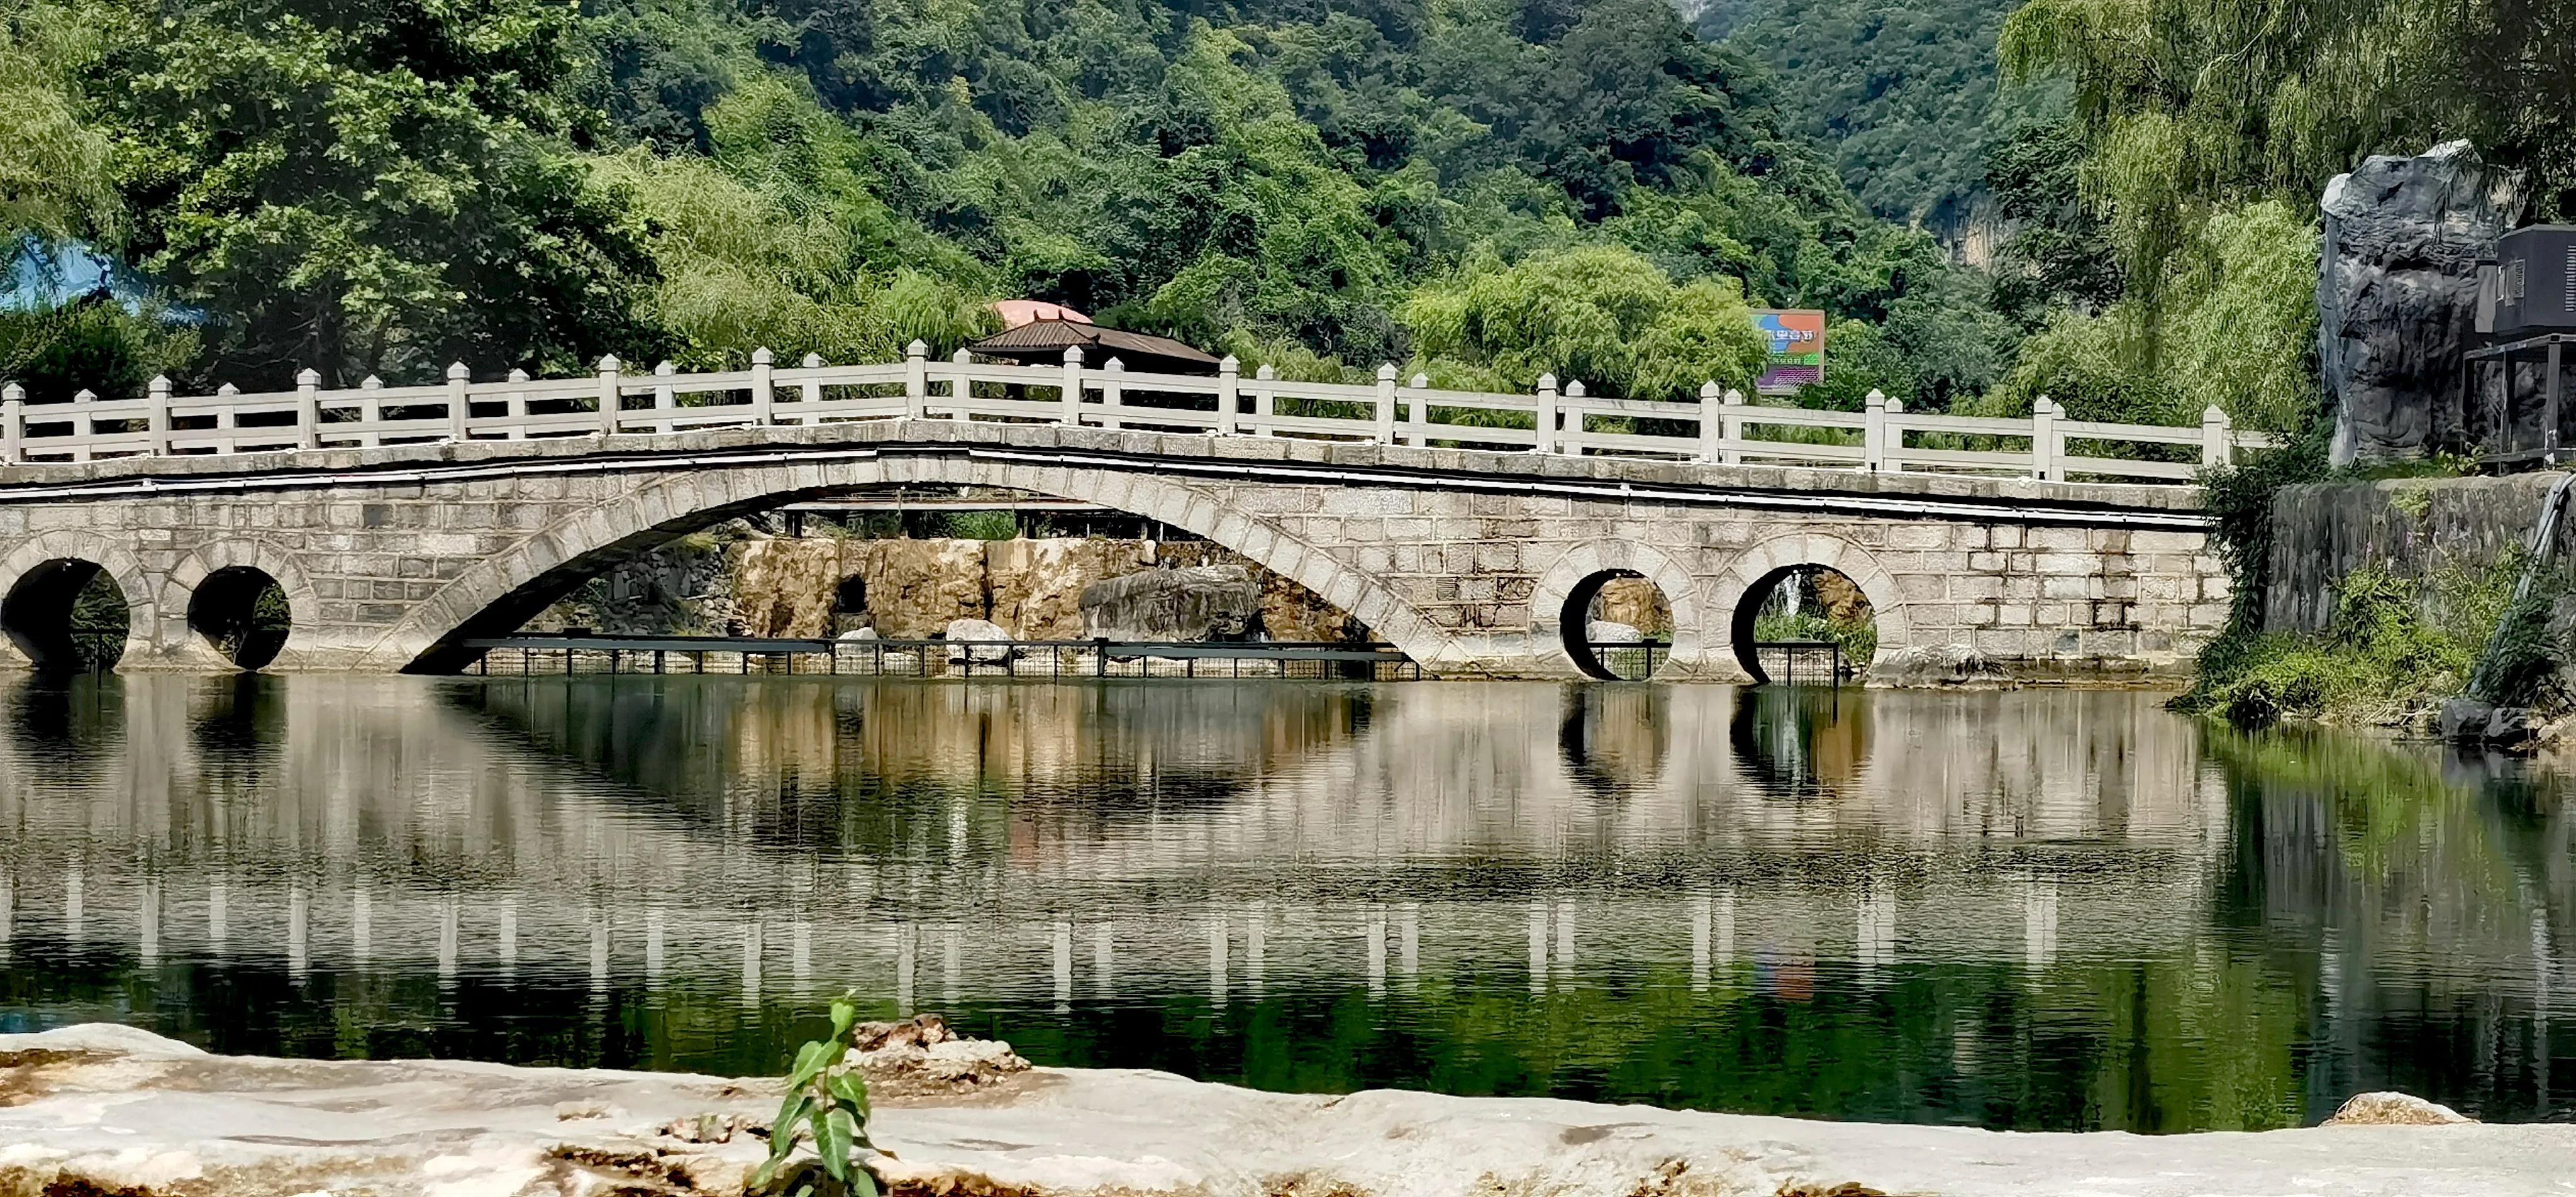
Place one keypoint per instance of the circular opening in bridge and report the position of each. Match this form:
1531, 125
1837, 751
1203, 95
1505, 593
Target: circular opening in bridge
1805, 624
1617, 626
67, 616
242, 612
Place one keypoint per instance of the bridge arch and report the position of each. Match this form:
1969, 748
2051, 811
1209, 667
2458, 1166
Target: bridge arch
112, 557
505, 589
1754, 570
1583, 568
172, 635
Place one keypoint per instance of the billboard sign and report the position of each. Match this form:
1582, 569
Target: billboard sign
1797, 349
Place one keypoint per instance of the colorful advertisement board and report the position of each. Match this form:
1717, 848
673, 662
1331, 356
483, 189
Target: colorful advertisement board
1797, 349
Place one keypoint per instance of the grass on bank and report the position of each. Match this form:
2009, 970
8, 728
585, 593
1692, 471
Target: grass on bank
2381, 660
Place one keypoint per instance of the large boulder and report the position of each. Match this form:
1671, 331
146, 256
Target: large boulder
1937, 666
980, 641
2397, 293
1206, 602
1611, 631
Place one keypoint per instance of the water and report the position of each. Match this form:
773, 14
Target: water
2041, 909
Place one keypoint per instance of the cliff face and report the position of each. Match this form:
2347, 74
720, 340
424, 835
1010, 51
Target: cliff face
738, 581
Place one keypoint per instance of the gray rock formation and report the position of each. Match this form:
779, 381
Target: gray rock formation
1206, 602
1606, 631
2397, 297
980, 653
1937, 666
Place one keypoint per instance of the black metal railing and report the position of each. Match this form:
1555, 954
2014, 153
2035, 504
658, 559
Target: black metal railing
1629, 660
1803, 662
540, 654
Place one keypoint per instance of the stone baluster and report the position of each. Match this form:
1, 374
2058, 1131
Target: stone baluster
1265, 400
1894, 448
1113, 392
308, 408
2045, 445
916, 380
1731, 421
666, 399
518, 408
2217, 438
1873, 432
1229, 374
764, 386
13, 424
1712, 424
371, 409
1072, 416
810, 392
460, 404
609, 387
156, 421
227, 420
958, 387
84, 422
1571, 418
1386, 403
1417, 410
1544, 422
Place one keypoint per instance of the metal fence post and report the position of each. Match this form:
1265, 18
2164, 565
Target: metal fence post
1229, 380
157, 417
1073, 386
308, 408
13, 424
1873, 432
1386, 403
916, 379
460, 411
764, 385
2217, 439
1545, 422
608, 392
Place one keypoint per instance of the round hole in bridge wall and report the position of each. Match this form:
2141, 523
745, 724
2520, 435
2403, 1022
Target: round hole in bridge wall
243, 613
67, 616
1804, 624
1617, 626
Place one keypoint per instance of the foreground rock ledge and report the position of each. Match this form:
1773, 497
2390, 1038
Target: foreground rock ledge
108, 1109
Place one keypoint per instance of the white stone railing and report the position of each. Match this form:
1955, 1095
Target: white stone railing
1722, 427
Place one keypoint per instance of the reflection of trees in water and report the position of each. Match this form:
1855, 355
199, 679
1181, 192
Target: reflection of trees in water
238, 721
73, 722
1800, 742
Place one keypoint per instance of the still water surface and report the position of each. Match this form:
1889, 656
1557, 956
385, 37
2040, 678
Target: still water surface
2041, 909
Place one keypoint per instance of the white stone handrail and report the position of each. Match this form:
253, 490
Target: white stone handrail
1721, 427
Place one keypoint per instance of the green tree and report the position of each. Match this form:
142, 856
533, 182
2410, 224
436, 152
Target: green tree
55, 181
1599, 315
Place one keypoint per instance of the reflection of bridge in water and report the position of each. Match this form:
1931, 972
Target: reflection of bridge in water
938, 844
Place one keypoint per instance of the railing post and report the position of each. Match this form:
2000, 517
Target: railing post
1072, 386
608, 392
1545, 422
370, 409
1265, 400
460, 408
666, 401
1731, 419
1712, 425
1873, 432
916, 379
2217, 439
1417, 410
1229, 381
1386, 403
958, 387
308, 407
13, 424
811, 393
1892, 442
226, 419
2044, 445
1571, 419
1113, 392
157, 414
518, 430
764, 385
84, 424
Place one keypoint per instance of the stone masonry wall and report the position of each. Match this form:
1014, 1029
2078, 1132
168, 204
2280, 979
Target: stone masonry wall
2416, 528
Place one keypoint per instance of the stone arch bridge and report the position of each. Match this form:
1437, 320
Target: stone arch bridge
1464, 559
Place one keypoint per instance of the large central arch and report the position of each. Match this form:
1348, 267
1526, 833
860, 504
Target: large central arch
501, 592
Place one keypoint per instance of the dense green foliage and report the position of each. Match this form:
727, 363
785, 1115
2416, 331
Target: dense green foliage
2381, 660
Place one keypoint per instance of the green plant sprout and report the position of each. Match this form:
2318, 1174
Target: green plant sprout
828, 1098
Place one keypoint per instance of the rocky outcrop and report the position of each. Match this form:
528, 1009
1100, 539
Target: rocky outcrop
2394, 1109
980, 641
1035, 586
100, 1109
1205, 602
2397, 297
1604, 631
1636, 603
